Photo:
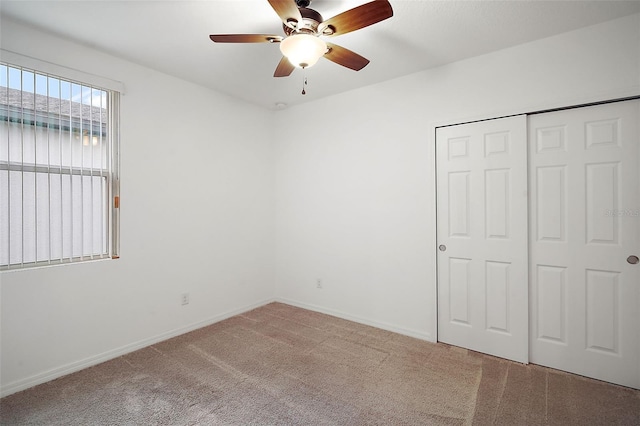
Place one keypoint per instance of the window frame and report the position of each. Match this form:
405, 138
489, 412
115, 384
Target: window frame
113, 90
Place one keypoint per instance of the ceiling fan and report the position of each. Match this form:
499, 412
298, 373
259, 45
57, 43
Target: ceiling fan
302, 46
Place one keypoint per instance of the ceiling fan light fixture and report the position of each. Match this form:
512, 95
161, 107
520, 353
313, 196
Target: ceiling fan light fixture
303, 50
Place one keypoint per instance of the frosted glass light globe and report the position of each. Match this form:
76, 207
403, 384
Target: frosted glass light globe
303, 50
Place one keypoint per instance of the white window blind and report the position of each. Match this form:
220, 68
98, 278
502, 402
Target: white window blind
58, 169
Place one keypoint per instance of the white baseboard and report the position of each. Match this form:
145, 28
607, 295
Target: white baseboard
72, 367
373, 323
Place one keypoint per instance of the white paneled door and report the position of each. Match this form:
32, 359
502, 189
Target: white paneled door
482, 236
585, 239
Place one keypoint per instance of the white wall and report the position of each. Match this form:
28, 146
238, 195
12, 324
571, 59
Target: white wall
355, 197
197, 216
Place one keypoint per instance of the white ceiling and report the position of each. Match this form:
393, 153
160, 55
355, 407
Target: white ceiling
173, 37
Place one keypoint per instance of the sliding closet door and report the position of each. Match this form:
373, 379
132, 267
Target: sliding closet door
585, 239
482, 236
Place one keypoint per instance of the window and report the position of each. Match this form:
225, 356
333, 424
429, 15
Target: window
58, 170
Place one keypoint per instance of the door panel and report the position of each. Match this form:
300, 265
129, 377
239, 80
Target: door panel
585, 222
482, 222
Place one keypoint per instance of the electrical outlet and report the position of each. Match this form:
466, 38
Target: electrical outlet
318, 283
185, 298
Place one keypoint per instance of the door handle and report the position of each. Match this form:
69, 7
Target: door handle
633, 259
442, 247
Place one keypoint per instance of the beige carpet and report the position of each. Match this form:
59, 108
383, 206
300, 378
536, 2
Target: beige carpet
281, 365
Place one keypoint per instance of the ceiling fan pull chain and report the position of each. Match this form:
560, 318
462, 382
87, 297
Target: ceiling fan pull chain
304, 81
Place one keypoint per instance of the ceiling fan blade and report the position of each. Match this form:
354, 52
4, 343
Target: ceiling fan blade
245, 38
357, 18
284, 68
287, 10
345, 57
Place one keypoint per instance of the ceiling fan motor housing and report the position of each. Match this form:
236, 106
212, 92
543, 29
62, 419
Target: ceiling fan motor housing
309, 25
